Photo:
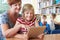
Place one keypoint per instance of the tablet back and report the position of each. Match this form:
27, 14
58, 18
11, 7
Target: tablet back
35, 31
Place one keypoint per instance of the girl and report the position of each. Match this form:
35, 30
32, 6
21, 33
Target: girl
27, 20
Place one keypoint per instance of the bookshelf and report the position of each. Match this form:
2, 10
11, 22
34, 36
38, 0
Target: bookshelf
49, 6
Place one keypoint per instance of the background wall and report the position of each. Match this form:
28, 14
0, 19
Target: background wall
4, 6
33, 2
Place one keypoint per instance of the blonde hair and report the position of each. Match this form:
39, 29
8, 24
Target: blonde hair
27, 7
10, 2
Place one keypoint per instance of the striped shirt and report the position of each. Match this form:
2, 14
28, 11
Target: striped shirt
22, 21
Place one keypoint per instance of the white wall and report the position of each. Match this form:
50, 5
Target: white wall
33, 2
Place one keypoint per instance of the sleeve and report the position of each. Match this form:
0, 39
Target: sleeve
48, 28
40, 24
3, 19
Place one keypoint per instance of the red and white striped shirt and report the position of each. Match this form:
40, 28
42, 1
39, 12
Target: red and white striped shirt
22, 21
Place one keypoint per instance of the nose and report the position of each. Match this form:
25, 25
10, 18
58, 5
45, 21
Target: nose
18, 7
29, 14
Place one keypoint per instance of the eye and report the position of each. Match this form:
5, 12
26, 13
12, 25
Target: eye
15, 4
26, 12
19, 4
31, 13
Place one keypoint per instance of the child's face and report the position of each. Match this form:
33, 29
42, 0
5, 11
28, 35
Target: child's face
29, 14
44, 18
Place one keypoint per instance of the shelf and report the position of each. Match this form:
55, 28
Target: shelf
49, 7
55, 5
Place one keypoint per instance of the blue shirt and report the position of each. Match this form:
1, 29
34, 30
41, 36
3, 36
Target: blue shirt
4, 20
47, 27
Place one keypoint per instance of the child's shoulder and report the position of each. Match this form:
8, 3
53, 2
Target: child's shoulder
20, 19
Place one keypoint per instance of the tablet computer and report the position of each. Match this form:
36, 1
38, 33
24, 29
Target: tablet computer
36, 31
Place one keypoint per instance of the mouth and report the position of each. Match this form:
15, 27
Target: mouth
17, 10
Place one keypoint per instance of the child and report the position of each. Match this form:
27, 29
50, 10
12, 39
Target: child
28, 19
44, 23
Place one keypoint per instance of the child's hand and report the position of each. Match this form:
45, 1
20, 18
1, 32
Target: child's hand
23, 29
